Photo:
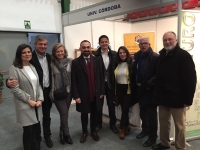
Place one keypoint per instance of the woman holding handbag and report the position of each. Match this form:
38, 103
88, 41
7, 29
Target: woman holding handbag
123, 88
61, 88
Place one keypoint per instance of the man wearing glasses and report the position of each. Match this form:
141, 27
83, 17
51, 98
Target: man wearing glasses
144, 70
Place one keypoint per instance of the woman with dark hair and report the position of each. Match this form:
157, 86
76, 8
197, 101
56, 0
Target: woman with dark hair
123, 88
61, 77
28, 96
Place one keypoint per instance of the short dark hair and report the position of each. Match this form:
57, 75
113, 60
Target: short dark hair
128, 55
103, 36
18, 61
84, 41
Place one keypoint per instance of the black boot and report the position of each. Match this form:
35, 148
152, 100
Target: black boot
67, 139
62, 139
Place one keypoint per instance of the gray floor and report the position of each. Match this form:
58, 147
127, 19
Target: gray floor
11, 133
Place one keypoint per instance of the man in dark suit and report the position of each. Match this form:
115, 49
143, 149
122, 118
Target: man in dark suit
41, 61
143, 76
87, 88
108, 61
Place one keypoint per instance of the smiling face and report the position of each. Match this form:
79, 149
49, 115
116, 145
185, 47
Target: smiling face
41, 47
26, 55
122, 55
85, 48
169, 41
60, 53
104, 42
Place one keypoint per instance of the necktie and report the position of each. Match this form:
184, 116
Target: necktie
88, 61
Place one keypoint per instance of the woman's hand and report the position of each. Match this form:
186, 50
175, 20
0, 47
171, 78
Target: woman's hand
38, 103
78, 100
32, 103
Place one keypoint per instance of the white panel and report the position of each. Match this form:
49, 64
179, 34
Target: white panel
77, 4
147, 26
119, 30
164, 25
44, 15
102, 28
75, 34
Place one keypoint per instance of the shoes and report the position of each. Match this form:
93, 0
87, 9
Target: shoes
95, 136
127, 129
114, 129
61, 139
121, 134
141, 135
83, 138
149, 142
48, 142
68, 139
98, 127
160, 147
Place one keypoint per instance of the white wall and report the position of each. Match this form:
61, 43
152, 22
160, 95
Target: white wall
119, 30
44, 15
75, 34
164, 25
115, 31
102, 28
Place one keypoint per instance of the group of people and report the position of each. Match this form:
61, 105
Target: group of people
167, 80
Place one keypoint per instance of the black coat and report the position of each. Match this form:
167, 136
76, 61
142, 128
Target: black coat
148, 79
80, 85
112, 65
175, 79
34, 61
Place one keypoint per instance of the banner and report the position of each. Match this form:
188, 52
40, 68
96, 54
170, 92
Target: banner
190, 36
131, 41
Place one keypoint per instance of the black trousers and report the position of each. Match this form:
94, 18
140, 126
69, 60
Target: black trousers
31, 135
46, 120
148, 115
111, 107
93, 118
125, 103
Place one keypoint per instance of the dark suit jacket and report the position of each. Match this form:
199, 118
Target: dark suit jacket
80, 85
112, 65
38, 67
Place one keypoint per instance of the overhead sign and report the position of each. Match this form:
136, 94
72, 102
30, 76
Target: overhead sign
111, 8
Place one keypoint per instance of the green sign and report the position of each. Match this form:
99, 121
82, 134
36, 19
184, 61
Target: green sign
27, 24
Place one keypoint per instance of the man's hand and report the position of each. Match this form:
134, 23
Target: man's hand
101, 96
12, 82
32, 103
78, 100
38, 103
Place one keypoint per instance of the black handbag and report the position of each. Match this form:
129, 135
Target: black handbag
60, 94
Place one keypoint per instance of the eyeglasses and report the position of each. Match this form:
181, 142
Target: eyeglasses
144, 43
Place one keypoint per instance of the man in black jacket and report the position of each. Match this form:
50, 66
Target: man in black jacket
87, 88
144, 70
108, 60
174, 90
41, 61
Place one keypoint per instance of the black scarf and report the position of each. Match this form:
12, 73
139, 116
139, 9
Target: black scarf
142, 57
62, 67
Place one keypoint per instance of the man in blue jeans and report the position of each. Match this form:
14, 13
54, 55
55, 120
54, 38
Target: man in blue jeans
108, 59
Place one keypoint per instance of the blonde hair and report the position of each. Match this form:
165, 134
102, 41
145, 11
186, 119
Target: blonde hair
54, 49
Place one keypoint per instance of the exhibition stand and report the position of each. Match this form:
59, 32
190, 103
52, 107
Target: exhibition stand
88, 23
